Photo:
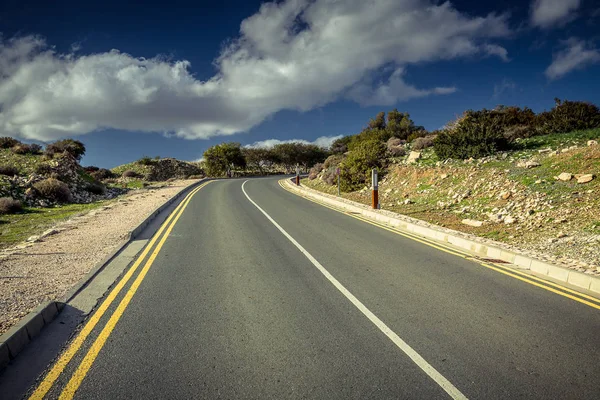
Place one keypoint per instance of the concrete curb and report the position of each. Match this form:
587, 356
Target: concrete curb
471, 244
16, 338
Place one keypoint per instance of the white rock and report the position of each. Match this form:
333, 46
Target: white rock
413, 157
565, 177
585, 178
592, 143
509, 220
472, 222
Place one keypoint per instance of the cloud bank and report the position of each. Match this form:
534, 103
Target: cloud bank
575, 54
293, 55
549, 13
323, 141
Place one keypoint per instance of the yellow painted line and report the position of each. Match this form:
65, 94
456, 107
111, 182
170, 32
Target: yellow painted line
85, 365
550, 286
66, 357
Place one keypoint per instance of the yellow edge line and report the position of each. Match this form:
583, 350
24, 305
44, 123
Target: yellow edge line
45, 386
90, 357
504, 270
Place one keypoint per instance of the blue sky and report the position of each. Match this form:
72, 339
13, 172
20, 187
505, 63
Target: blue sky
188, 75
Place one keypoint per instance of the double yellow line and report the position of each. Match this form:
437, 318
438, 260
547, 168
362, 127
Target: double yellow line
532, 280
75, 381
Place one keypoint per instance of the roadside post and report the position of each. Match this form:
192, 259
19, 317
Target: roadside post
297, 175
337, 172
374, 190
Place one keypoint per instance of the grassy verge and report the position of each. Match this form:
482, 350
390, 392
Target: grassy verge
32, 221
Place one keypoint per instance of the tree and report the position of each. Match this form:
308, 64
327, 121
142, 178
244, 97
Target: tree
71, 146
256, 158
221, 157
355, 169
400, 125
378, 122
340, 146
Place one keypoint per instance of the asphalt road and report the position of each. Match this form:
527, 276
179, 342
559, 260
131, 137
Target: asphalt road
233, 307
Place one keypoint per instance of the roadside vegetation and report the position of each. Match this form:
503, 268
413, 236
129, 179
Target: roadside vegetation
507, 174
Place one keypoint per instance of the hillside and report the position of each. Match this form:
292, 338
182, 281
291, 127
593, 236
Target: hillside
516, 196
160, 169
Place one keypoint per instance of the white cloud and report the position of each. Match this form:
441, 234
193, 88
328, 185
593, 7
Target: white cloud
323, 141
499, 51
576, 54
548, 13
294, 55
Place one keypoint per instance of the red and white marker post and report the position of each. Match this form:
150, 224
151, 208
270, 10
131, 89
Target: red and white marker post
297, 175
374, 190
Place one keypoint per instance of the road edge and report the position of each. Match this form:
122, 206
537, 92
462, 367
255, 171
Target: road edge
13, 341
425, 229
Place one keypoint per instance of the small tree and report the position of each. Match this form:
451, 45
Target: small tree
219, 158
355, 169
71, 146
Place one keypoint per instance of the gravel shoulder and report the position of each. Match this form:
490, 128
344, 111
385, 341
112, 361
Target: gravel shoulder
33, 273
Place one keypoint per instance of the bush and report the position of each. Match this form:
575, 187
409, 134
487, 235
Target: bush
102, 174
146, 161
424, 142
469, 141
8, 142
95, 188
73, 147
43, 169
53, 189
356, 168
520, 132
195, 177
8, 170
568, 116
8, 205
396, 151
415, 135
314, 171
23, 148
333, 161
130, 174
91, 168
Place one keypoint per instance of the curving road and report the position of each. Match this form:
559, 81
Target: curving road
258, 293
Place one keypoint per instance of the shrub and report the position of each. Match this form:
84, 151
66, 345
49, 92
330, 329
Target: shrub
195, 176
73, 147
102, 174
146, 161
8, 142
8, 170
95, 188
53, 189
333, 161
424, 142
469, 141
90, 168
568, 116
396, 151
415, 135
513, 133
43, 169
8, 205
314, 171
24, 148
356, 168
130, 174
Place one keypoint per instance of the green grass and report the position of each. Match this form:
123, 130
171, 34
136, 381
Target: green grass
130, 184
16, 228
557, 140
134, 166
25, 163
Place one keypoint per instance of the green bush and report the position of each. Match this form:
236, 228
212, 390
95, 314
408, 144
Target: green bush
355, 170
470, 141
8, 142
8, 170
314, 171
71, 146
568, 116
8, 205
43, 169
53, 189
146, 161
